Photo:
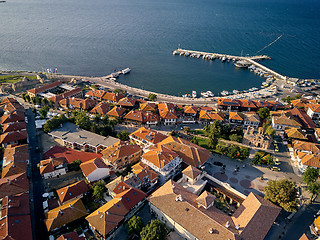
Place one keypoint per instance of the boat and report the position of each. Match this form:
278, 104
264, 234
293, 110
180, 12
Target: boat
125, 71
235, 91
224, 93
210, 94
181, 53
187, 54
112, 79
241, 64
174, 52
115, 75
194, 94
223, 59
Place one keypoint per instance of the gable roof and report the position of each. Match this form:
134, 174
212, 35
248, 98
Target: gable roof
13, 126
191, 172
45, 87
167, 111
71, 191
211, 115
148, 135
116, 112
119, 150
49, 165
251, 117
236, 116
14, 184
95, 93
13, 136
78, 103
160, 156
15, 160
12, 117
113, 97
206, 199
305, 120
296, 133
92, 165
190, 109
101, 108
127, 102
141, 116
64, 214
143, 171
70, 236
147, 106
314, 107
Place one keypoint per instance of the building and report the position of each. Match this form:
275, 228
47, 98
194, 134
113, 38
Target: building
74, 137
70, 236
112, 97
72, 192
280, 120
77, 103
190, 153
64, 214
53, 167
94, 170
236, 117
12, 138
15, 116
208, 117
15, 218
146, 175
192, 180
43, 89
313, 111
101, 108
121, 184
296, 134
141, 118
167, 113
15, 160
251, 119
225, 104
163, 161
120, 154
196, 217
106, 220
13, 185
257, 138
116, 112
72, 93
95, 94
148, 107
146, 137
13, 127
305, 154
127, 102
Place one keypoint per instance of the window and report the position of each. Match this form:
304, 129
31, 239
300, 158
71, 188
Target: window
134, 193
128, 199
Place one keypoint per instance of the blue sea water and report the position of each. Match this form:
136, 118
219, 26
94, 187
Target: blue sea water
95, 37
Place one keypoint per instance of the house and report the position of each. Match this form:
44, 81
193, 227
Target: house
72, 192
192, 180
95, 94
77, 103
121, 184
251, 119
305, 154
190, 111
256, 137
116, 112
148, 107
208, 117
304, 237
13, 185
196, 217
317, 134
94, 170
190, 153
106, 220
225, 104
127, 102
313, 111
11, 138
53, 167
163, 161
15, 160
120, 154
101, 108
112, 97
36, 91
146, 137
14, 126
74, 137
280, 120
303, 117
15, 218
64, 214
247, 105
70, 236
236, 117
140, 117
72, 93
296, 134
146, 175
167, 113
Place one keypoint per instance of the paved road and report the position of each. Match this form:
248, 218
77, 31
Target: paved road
36, 185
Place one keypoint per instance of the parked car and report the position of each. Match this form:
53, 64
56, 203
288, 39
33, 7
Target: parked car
276, 162
275, 169
218, 164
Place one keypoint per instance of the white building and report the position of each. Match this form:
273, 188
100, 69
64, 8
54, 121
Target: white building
53, 167
94, 170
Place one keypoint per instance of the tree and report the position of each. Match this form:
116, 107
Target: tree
221, 148
216, 128
186, 129
263, 113
213, 141
244, 153
173, 133
233, 151
235, 138
119, 91
83, 121
310, 175
75, 165
27, 98
152, 97
99, 189
123, 135
282, 193
194, 140
314, 189
43, 112
135, 225
270, 131
105, 120
97, 119
155, 230
54, 123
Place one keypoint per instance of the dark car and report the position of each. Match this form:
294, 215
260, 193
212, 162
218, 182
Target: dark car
218, 164
37, 149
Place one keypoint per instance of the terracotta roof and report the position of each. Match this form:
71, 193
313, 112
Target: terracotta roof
142, 171
127, 102
101, 108
304, 118
159, 156
190, 153
45, 87
251, 117
70, 154
190, 110
107, 217
12, 117
116, 112
301, 102
141, 116
114, 97
64, 214
71, 191
314, 107
296, 133
9, 100
15, 159
15, 219
90, 166
14, 184
78, 103
129, 180
147, 106
304, 237
287, 119
149, 135
247, 103
167, 111
191, 172
211, 115
236, 116
96, 93
309, 159
206, 199
120, 149
11, 107
306, 146
206, 108
49, 165
13, 126
70, 236
13, 136
121, 187
228, 102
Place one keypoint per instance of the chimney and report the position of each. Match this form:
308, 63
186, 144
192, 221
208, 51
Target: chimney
237, 226
227, 224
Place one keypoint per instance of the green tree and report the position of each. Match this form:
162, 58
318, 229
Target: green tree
216, 128
123, 135
43, 112
221, 148
152, 97
23, 96
235, 138
173, 133
119, 91
186, 129
314, 189
27, 98
263, 113
97, 119
135, 225
310, 175
282, 193
99, 189
155, 230
75, 165
213, 141
194, 140
105, 120
83, 121
244, 153
233, 151
270, 131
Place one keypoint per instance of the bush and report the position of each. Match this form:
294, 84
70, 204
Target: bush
135, 225
155, 230
235, 138
263, 158
54, 123
99, 189
75, 165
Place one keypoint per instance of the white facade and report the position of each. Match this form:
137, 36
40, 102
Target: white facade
169, 121
251, 124
98, 174
315, 116
60, 170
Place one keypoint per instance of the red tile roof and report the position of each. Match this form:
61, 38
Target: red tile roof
101, 108
71, 191
70, 236
167, 111
304, 118
113, 97
70, 154
49, 165
14, 184
9, 137
78, 103
91, 165
45, 87
13, 126
13, 117
116, 112
148, 135
142, 117
127, 102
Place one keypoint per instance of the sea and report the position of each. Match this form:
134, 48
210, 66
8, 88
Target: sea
96, 37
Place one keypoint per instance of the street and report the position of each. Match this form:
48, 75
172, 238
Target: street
39, 231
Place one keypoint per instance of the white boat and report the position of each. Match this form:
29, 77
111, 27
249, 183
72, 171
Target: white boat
125, 71
241, 64
174, 52
115, 75
223, 59
187, 54
181, 53
210, 94
194, 94
235, 91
